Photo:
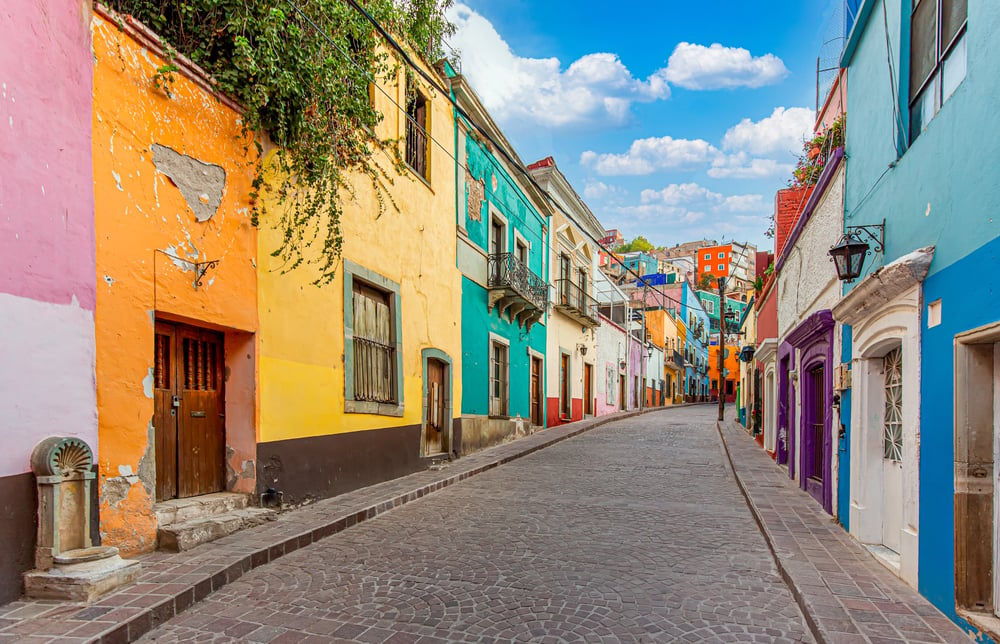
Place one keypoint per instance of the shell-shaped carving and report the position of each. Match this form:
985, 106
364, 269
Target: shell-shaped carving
61, 456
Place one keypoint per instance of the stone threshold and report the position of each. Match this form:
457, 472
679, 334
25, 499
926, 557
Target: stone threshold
846, 594
172, 582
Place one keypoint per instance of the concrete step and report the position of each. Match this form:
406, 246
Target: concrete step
196, 507
184, 535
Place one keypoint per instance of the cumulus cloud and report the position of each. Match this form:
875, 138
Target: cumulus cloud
743, 166
646, 156
783, 131
597, 189
596, 88
690, 210
698, 67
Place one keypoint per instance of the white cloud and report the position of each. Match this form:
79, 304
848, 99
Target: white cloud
742, 166
716, 67
646, 156
597, 189
783, 131
596, 88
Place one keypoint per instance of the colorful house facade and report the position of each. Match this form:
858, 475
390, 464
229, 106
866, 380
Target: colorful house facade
47, 275
372, 391
923, 353
502, 252
571, 327
176, 322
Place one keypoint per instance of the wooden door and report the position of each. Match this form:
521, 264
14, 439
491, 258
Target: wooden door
189, 414
588, 393
435, 408
564, 387
536, 391
622, 394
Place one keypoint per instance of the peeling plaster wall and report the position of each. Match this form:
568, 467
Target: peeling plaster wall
148, 154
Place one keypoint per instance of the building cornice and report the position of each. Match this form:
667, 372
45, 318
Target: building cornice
883, 286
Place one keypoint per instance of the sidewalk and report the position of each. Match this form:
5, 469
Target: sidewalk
845, 594
172, 582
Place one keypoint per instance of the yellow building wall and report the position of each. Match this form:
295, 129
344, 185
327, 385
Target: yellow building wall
302, 325
139, 210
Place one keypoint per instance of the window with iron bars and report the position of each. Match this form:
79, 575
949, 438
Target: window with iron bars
416, 133
374, 346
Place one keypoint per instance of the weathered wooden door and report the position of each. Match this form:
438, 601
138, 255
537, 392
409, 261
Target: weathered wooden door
189, 413
436, 410
588, 389
536, 391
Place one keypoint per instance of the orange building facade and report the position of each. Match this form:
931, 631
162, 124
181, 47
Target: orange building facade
176, 321
732, 366
714, 260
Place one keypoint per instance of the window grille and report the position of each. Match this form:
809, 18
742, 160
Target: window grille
374, 346
892, 434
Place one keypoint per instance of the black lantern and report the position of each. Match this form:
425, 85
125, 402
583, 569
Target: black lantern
849, 253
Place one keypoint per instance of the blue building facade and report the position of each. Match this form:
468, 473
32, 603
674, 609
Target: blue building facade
922, 412
698, 324
501, 249
641, 263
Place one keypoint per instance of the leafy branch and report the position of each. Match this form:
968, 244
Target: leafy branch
303, 79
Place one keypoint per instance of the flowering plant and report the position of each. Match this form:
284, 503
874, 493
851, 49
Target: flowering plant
815, 153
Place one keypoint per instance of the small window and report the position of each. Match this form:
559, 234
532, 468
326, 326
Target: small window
722, 255
708, 256
722, 267
416, 133
498, 236
937, 57
499, 369
374, 346
521, 250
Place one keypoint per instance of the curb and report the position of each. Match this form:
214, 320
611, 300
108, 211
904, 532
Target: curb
137, 621
814, 628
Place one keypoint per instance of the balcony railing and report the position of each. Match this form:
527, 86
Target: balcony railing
513, 287
576, 303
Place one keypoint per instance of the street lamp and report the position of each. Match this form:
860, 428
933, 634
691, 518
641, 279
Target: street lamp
849, 253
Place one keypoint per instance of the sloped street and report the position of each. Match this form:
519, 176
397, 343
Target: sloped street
635, 531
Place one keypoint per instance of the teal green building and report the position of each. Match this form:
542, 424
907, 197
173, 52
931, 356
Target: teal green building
502, 236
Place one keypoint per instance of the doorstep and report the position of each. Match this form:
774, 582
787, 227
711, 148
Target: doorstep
172, 582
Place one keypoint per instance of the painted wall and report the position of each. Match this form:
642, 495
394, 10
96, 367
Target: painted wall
940, 191
611, 352
709, 260
47, 288
303, 374
141, 208
807, 280
502, 195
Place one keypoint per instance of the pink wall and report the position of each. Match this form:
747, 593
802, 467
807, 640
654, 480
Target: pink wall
47, 271
46, 187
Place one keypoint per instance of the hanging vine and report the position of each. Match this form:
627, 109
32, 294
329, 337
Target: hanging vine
302, 72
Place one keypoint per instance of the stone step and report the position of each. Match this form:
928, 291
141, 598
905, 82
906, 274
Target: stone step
185, 535
196, 507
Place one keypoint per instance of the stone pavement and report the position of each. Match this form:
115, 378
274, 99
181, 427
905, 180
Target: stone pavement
633, 532
172, 582
846, 595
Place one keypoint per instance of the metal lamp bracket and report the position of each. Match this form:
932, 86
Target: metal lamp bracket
874, 233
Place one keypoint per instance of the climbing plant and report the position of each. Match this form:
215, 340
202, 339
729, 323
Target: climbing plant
303, 71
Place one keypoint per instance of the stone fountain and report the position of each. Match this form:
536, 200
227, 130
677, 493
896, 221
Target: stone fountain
67, 564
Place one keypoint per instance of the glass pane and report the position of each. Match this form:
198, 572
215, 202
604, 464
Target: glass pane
954, 69
923, 44
892, 436
953, 15
922, 111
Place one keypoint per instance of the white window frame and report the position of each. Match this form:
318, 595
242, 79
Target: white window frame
505, 399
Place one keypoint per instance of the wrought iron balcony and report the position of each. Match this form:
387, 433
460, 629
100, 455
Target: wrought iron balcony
515, 289
675, 359
576, 303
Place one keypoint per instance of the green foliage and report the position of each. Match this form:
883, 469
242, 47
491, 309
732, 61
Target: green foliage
816, 152
305, 87
640, 244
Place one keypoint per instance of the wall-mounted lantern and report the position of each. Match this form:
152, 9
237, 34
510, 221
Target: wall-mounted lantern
849, 253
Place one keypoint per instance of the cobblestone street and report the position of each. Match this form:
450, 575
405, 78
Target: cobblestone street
635, 531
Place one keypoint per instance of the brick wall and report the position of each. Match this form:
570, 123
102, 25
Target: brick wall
788, 206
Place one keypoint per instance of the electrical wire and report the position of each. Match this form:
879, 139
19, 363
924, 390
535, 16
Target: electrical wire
461, 112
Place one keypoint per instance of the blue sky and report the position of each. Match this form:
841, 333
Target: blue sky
674, 120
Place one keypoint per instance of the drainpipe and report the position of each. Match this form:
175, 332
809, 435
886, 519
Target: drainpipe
545, 315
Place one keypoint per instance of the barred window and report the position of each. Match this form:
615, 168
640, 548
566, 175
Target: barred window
892, 427
499, 392
374, 346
